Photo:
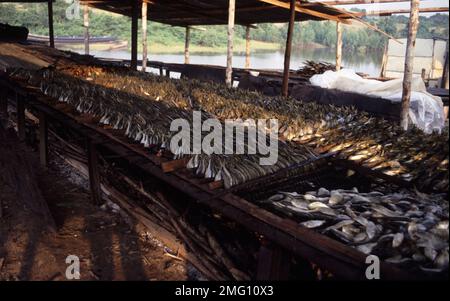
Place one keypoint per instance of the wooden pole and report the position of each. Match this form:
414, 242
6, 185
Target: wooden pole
338, 46
51, 33
445, 74
287, 55
247, 47
43, 140
134, 35
144, 36
186, 45
94, 174
20, 117
231, 19
86, 28
409, 63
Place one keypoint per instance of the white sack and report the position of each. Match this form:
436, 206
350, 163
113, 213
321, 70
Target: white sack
426, 110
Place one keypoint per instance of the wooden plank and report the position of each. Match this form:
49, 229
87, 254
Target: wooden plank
144, 36
273, 264
51, 31
231, 19
247, 47
287, 54
186, 45
134, 35
20, 117
86, 28
409, 63
43, 140
170, 166
338, 46
94, 174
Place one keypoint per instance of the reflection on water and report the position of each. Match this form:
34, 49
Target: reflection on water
369, 62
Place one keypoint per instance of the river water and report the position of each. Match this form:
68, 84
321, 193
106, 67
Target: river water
369, 63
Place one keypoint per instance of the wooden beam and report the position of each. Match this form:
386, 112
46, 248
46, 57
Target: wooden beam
43, 140
338, 46
144, 36
300, 9
273, 264
247, 47
94, 173
86, 28
445, 74
360, 2
409, 63
287, 54
134, 35
231, 19
20, 117
398, 11
51, 32
187, 45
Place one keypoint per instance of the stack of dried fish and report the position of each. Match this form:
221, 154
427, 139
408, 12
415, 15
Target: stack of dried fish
148, 122
410, 229
311, 68
372, 142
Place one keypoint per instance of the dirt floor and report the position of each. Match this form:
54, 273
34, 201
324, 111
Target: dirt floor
105, 240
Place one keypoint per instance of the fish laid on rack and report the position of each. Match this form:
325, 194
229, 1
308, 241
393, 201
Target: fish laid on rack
405, 228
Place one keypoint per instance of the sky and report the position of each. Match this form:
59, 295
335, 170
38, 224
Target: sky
400, 5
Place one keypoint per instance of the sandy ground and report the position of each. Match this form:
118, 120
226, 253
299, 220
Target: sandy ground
107, 243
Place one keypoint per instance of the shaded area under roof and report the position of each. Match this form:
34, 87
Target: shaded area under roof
215, 12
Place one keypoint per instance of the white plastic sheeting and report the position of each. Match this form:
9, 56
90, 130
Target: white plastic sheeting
426, 110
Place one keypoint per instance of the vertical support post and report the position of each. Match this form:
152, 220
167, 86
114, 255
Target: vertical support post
43, 139
338, 46
144, 36
287, 55
51, 32
247, 47
94, 174
187, 45
231, 19
4, 101
20, 118
273, 264
445, 75
134, 34
86, 28
409, 63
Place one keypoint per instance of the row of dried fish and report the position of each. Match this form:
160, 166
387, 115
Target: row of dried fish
409, 229
149, 121
372, 142
311, 68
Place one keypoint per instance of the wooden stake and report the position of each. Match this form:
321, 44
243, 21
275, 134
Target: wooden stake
134, 35
94, 174
287, 55
409, 63
338, 46
43, 140
20, 118
247, 47
231, 19
51, 33
144, 36
186, 45
86, 28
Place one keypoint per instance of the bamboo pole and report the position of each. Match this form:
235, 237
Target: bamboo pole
338, 46
144, 36
51, 32
247, 47
134, 35
86, 28
187, 45
231, 19
287, 55
409, 62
